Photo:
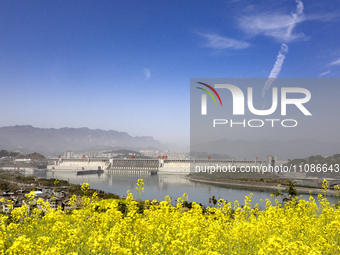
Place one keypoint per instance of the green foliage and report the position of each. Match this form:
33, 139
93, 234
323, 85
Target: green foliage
122, 208
35, 156
51, 182
335, 159
213, 200
76, 190
4, 185
291, 191
4, 153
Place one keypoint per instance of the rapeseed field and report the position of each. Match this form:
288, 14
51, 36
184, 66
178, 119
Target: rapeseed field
102, 227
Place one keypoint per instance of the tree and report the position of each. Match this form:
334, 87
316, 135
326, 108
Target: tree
290, 189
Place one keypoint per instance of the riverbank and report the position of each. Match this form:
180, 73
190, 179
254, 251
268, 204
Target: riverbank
13, 180
259, 186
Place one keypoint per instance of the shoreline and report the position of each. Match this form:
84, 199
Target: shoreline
248, 185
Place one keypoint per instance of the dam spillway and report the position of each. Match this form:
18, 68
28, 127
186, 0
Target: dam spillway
145, 164
133, 166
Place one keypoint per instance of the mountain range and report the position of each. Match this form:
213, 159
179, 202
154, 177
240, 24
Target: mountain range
51, 141
284, 150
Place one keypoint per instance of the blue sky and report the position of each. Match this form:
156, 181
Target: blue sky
126, 65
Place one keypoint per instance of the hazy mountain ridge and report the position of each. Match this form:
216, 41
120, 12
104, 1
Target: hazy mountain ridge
51, 141
288, 149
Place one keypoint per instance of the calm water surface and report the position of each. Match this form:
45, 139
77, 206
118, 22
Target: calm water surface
157, 186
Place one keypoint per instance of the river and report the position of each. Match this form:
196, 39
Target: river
158, 186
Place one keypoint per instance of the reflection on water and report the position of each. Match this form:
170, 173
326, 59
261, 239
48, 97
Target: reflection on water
156, 186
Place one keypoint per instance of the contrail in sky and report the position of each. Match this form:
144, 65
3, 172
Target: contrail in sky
276, 69
284, 49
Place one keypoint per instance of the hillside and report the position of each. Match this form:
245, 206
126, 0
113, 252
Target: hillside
318, 166
50, 141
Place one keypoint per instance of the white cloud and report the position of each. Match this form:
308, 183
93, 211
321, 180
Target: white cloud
218, 42
287, 36
324, 73
147, 73
335, 63
325, 17
275, 25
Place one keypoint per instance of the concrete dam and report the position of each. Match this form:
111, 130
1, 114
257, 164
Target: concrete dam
151, 166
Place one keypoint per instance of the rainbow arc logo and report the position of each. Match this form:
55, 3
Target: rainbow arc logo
204, 97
